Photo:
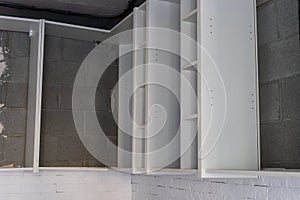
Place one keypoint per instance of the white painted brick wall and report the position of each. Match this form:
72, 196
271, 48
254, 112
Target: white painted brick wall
192, 188
110, 185
65, 185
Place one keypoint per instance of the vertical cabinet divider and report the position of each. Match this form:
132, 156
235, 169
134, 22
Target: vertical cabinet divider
139, 98
37, 34
189, 84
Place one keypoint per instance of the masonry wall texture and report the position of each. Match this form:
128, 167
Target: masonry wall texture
15, 48
60, 143
279, 75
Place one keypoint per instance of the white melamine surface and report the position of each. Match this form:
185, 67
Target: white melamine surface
162, 103
188, 85
229, 52
139, 95
125, 89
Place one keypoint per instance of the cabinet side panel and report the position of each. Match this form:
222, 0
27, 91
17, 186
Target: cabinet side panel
229, 123
163, 147
124, 136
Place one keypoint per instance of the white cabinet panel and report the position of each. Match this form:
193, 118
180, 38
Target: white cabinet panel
229, 114
207, 111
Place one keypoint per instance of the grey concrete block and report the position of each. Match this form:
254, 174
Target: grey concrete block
270, 102
4, 37
50, 97
113, 54
110, 77
92, 125
18, 69
104, 119
291, 153
68, 74
60, 72
112, 151
56, 163
280, 144
107, 123
66, 98
70, 148
269, 62
279, 59
16, 95
267, 24
291, 97
289, 56
92, 163
106, 144
56, 122
1, 149
273, 141
2, 93
14, 150
287, 17
72, 163
14, 121
88, 99
113, 139
19, 44
51, 73
49, 148
53, 48
76, 50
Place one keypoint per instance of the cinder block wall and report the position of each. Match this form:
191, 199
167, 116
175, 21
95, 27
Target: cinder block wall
14, 67
279, 75
60, 143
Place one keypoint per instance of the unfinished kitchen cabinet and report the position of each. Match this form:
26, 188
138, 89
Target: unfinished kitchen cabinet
217, 111
219, 62
189, 105
156, 106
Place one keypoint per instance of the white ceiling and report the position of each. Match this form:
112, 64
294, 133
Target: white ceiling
106, 8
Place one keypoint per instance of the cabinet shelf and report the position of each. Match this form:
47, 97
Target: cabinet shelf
191, 17
141, 86
172, 1
141, 126
191, 66
191, 117
141, 46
